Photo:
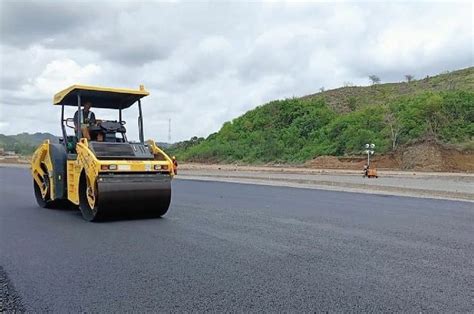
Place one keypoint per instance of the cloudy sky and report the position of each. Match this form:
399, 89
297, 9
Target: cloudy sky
208, 62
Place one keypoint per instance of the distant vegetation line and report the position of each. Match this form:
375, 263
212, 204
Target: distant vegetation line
24, 143
339, 122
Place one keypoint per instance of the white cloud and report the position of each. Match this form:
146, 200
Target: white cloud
56, 75
206, 63
60, 73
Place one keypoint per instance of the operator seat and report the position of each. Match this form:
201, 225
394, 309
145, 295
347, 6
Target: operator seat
110, 129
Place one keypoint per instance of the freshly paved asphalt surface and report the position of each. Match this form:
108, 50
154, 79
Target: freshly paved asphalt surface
236, 247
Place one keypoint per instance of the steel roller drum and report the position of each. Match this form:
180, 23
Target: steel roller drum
148, 193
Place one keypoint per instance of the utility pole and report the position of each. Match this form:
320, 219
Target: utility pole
169, 130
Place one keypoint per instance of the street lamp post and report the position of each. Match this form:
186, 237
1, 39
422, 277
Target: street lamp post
369, 150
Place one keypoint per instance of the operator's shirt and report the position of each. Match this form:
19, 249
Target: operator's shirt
86, 119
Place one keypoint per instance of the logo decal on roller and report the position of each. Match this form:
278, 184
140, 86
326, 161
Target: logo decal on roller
124, 167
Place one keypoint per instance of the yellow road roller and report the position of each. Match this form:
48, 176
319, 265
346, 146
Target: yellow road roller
100, 170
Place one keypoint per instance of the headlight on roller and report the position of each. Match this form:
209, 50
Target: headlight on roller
108, 167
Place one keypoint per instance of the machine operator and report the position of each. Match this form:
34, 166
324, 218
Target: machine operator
87, 119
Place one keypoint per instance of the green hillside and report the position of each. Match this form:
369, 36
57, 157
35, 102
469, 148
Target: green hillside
346, 99
24, 143
340, 121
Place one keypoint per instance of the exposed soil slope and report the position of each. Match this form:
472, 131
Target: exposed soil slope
426, 156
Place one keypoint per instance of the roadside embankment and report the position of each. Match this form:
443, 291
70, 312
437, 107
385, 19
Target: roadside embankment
445, 185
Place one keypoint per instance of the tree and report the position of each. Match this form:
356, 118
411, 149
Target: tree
374, 79
433, 113
321, 89
395, 128
409, 77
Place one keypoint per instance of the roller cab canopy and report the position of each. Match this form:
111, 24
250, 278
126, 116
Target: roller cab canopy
100, 97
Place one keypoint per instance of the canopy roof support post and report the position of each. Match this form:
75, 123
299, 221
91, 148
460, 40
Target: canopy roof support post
63, 128
140, 122
79, 117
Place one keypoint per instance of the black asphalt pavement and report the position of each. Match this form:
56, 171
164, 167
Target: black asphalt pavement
237, 247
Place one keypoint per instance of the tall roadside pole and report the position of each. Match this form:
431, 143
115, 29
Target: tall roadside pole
169, 130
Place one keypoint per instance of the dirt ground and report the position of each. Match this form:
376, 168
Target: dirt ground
15, 160
427, 156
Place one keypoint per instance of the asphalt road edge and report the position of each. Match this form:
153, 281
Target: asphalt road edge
335, 186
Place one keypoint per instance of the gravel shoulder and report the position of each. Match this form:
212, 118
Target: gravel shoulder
443, 185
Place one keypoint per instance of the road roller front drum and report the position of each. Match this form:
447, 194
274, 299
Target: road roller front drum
124, 194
